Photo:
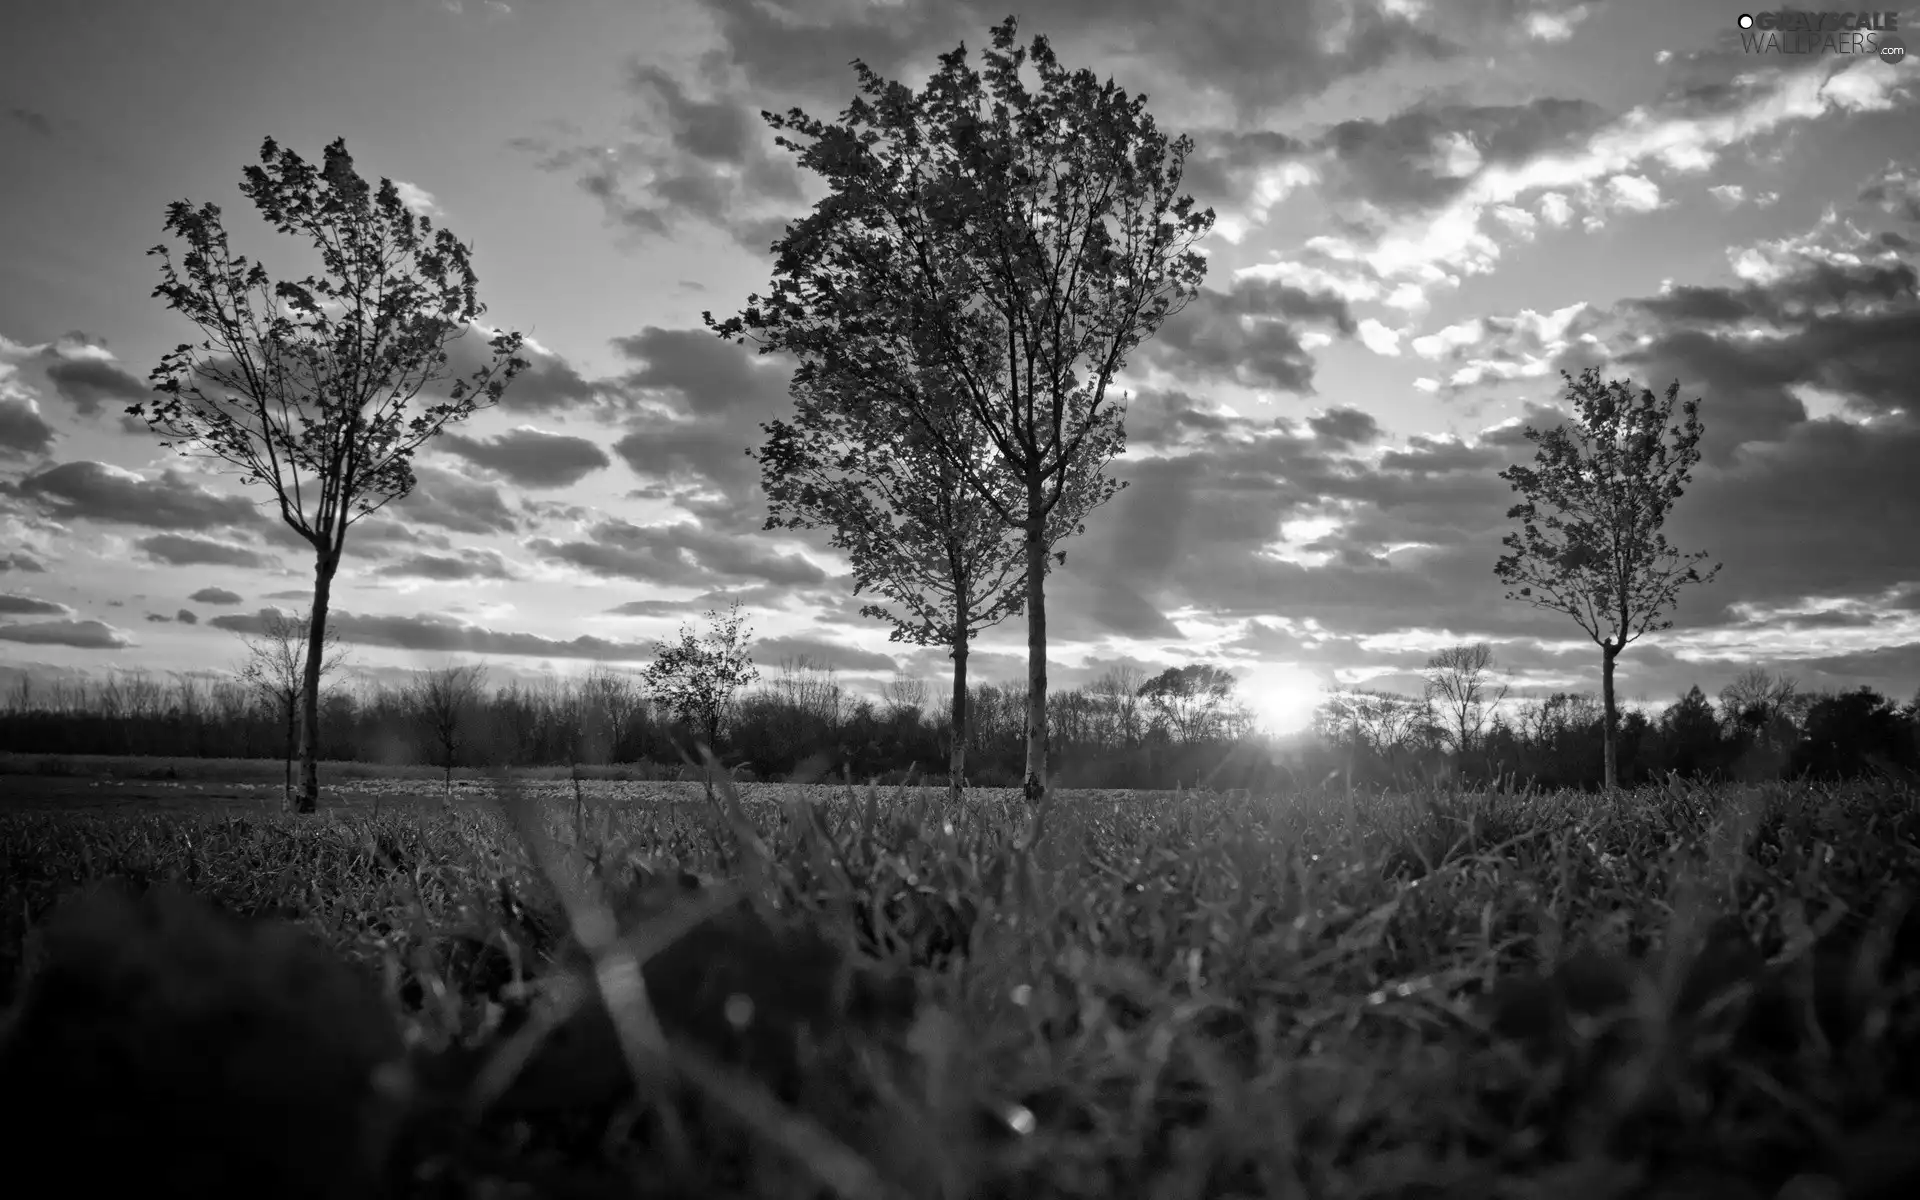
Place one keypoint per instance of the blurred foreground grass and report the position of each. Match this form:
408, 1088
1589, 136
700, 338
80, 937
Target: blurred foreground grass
1676, 992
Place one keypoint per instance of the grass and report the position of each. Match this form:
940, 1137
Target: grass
1676, 992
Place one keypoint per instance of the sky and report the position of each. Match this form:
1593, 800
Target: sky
1425, 212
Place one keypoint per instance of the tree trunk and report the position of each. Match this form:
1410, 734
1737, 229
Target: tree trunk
1036, 784
1608, 653
957, 753
292, 742
325, 565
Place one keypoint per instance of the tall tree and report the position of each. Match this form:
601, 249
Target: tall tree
1608, 480
696, 678
1457, 688
276, 668
994, 250
313, 391
913, 524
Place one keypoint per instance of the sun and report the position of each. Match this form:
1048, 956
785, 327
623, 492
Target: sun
1282, 699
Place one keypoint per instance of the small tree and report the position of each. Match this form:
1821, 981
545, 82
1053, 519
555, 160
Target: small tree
276, 670
443, 701
1457, 688
313, 392
695, 678
998, 252
1609, 480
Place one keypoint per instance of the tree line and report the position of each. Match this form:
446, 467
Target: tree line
1126, 729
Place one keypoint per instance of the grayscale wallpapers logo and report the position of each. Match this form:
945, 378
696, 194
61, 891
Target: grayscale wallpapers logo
1800, 32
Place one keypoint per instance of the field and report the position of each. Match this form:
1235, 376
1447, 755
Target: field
1674, 992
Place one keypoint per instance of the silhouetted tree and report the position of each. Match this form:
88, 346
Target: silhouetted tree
696, 678
1692, 735
313, 393
1457, 688
1003, 251
914, 525
1608, 481
1853, 732
443, 701
1189, 699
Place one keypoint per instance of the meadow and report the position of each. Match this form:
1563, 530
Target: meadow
1674, 991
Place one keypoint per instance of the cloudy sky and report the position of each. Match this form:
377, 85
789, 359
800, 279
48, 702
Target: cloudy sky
1427, 209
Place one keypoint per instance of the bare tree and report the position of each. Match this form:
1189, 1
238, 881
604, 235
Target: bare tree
276, 669
312, 392
1457, 687
1608, 480
1002, 252
1119, 691
444, 701
905, 694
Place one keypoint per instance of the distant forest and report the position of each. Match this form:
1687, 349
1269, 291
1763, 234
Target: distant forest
1184, 727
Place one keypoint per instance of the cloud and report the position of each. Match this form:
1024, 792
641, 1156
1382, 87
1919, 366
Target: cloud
1248, 334
184, 616
96, 491
215, 595
23, 432
678, 555
1606, 168
821, 653
710, 161
1251, 57
186, 550
30, 606
418, 199
1345, 427
32, 119
465, 565
20, 562
530, 457
91, 384
1894, 190
81, 635
451, 501
1425, 155
1486, 350
702, 401
440, 635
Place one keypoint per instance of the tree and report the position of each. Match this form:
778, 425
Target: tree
314, 393
444, 700
1692, 732
695, 678
995, 252
1190, 699
905, 695
1385, 725
1119, 692
276, 668
1456, 687
914, 526
1599, 556
1853, 733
